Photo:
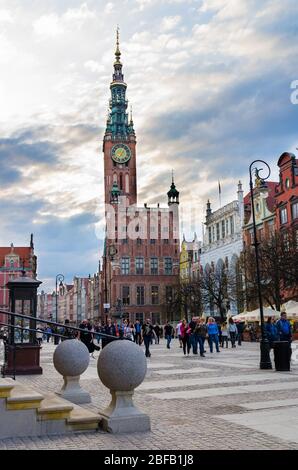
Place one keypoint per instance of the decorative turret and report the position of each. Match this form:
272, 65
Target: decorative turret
117, 121
173, 194
209, 210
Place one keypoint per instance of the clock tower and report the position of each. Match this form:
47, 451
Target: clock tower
119, 144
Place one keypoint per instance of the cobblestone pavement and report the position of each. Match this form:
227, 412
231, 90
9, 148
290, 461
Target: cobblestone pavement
222, 401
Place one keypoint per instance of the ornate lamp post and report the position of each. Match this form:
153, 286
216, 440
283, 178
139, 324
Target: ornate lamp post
265, 362
60, 279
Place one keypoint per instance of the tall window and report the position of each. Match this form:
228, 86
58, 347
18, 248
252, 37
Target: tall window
154, 295
227, 227
125, 265
139, 265
295, 211
169, 294
125, 295
223, 229
140, 295
168, 266
217, 232
232, 225
283, 216
210, 235
154, 265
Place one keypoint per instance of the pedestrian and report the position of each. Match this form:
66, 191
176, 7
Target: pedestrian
193, 337
39, 336
232, 330
157, 330
271, 331
219, 331
185, 335
224, 335
178, 332
127, 331
67, 332
201, 332
240, 328
110, 331
284, 330
138, 330
147, 335
212, 330
169, 331
86, 337
48, 333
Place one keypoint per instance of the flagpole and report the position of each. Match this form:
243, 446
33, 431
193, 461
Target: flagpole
219, 193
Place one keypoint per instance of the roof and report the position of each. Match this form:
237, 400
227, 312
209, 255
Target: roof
23, 252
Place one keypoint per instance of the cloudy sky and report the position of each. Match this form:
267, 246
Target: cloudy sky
210, 84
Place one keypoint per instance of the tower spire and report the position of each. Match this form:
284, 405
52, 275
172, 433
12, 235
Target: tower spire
117, 53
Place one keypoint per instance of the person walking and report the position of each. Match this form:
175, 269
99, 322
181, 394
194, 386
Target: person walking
271, 330
212, 330
157, 330
201, 332
185, 335
193, 336
147, 335
224, 335
86, 337
169, 332
178, 332
284, 330
138, 331
240, 328
108, 329
232, 330
127, 330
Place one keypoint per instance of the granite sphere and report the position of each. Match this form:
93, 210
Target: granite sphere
71, 358
122, 366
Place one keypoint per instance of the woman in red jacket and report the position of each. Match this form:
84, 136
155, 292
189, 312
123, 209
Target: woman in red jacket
185, 335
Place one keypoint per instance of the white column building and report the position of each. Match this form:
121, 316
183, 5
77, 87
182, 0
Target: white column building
222, 241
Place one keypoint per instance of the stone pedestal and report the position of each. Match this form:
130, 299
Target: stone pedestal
121, 416
72, 390
122, 367
71, 359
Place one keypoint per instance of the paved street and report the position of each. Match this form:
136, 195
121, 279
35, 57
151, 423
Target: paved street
222, 401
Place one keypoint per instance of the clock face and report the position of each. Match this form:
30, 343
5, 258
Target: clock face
121, 153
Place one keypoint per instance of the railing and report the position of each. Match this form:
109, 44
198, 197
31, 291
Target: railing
9, 341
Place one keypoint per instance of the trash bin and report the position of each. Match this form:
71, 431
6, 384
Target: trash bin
282, 355
56, 339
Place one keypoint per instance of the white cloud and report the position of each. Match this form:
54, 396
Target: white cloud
170, 22
109, 7
48, 26
6, 16
53, 25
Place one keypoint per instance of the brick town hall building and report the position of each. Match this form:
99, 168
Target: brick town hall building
141, 252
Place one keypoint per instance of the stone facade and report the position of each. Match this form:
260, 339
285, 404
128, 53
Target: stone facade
222, 239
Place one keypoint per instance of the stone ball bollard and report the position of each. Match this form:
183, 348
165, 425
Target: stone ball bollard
122, 367
71, 359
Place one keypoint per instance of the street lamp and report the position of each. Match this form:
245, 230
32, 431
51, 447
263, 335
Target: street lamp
265, 362
60, 279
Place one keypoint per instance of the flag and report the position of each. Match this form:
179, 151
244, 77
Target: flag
219, 187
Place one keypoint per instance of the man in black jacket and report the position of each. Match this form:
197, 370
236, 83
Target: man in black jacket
169, 331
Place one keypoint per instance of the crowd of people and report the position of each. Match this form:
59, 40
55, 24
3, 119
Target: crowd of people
193, 335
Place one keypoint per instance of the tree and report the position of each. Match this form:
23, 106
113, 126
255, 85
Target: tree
218, 287
184, 300
278, 259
